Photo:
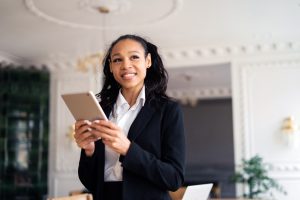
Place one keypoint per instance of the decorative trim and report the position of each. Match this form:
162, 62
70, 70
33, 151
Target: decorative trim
9, 58
31, 6
62, 146
242, 114
243, 70
241, 49
191, 96
280, 167
193, 55
227, 53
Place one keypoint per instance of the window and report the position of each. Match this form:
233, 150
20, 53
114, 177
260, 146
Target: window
24, 97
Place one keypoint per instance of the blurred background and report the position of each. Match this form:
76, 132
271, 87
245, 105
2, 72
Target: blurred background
233, 65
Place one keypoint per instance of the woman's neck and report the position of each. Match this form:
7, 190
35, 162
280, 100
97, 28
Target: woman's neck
131, 95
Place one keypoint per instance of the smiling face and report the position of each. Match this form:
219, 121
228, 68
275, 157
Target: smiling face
129, 64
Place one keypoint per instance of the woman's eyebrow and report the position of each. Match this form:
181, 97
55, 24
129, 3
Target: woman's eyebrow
118, 54
134, 52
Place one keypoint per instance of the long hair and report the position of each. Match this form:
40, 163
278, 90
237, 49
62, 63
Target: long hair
156, 79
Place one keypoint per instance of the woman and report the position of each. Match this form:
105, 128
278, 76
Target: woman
141, 153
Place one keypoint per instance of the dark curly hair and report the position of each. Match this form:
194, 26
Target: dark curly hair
156, 77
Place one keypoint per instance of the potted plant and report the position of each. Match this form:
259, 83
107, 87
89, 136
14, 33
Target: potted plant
254, 176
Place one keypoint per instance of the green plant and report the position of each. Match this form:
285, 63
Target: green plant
254, 176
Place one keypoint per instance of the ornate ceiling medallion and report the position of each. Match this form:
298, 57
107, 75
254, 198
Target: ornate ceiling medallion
86, 14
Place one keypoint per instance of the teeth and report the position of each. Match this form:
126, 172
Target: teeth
129, 75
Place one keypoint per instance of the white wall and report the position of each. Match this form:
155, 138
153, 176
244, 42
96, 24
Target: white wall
264, 85
63, 151
265, 92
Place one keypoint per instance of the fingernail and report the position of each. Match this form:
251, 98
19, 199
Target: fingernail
87, 122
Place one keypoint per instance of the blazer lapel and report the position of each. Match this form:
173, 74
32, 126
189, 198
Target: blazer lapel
140, 121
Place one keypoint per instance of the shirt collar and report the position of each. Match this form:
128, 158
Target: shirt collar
121, 101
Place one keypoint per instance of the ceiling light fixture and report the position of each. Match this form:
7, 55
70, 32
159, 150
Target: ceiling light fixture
94, 60
103, 9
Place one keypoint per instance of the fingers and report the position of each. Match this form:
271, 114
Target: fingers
85, 142
105, 127
119, 145
103, 123
110, 133
81, 127
82, 136
80, 123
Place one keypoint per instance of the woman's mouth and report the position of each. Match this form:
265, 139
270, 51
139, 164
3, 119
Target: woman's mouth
128, 75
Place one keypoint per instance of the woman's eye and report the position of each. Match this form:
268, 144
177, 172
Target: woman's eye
116, 60
135, 57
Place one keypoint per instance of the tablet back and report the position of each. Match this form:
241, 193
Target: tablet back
84, 106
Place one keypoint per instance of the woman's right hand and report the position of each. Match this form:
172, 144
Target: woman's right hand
83, 137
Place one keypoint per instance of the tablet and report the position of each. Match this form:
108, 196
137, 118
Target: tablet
84, 106
196, 192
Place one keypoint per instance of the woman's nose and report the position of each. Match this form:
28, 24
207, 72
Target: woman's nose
126, 64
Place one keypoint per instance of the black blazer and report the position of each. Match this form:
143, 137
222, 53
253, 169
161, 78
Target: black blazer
155, 161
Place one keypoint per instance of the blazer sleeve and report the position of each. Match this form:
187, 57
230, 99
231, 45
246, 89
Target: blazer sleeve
167, 172
89, 168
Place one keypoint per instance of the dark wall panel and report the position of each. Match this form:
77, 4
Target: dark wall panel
209, 139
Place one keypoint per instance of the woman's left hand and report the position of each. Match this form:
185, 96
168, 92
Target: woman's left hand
111, 135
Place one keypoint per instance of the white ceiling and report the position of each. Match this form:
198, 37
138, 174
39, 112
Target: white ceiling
38, 31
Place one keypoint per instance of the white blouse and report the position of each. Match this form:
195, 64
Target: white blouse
123, 117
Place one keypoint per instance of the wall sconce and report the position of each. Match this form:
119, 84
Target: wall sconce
291, 132
92, 61
70, 136
71, 132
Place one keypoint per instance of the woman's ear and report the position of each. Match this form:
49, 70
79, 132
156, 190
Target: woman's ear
148, 60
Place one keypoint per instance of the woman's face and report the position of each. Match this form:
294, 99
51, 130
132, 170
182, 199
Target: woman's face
129, 64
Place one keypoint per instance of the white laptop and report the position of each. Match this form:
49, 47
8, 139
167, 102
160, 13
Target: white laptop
197, 192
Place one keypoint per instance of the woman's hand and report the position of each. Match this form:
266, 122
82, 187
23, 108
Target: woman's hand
111, 135
83, 136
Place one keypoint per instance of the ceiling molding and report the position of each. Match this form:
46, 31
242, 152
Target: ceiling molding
284, 167
178, 57
191, 96
9, 58
182, 57
83, 5
172, 56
